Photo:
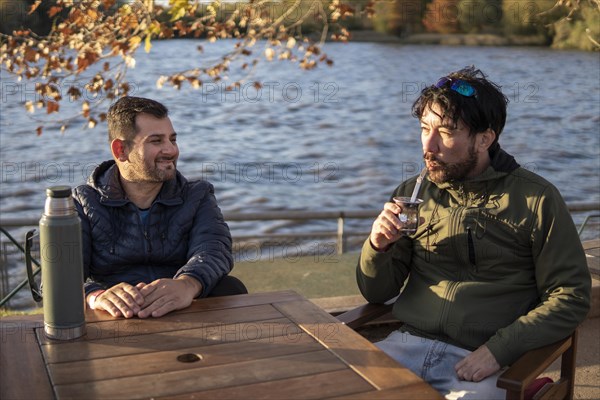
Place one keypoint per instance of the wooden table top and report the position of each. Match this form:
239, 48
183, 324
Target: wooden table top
267, 345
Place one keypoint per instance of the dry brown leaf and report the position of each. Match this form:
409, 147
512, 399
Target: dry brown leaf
52, 107
53, 11
34, 6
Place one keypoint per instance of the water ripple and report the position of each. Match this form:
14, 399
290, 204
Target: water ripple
345, 142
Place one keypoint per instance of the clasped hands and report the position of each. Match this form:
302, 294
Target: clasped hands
153, 299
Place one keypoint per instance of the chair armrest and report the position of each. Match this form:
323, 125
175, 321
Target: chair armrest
365, 313
531, 364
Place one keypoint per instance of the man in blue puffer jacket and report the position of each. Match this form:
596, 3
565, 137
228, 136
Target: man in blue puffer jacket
152, 240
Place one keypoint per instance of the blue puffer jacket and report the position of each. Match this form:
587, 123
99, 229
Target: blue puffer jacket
183, 234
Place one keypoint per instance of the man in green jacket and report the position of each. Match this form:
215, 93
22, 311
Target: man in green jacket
495, 267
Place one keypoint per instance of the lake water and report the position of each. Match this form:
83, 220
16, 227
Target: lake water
338, 138
332, 139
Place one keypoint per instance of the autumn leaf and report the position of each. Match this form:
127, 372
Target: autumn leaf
108, 4
178, 9
125, 88
52, 107
92, 14
53, 11
34, 6
291, 43
148, 44
74, 93
269, 53
196, 83
84, 61
31, 55
134, 41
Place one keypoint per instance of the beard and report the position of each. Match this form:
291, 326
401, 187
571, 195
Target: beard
447, 172
140, 171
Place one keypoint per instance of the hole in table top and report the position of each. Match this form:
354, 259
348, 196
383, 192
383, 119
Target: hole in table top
189, 357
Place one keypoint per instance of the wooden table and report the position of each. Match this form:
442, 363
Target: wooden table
273, 345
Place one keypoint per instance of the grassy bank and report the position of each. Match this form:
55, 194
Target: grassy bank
312, 276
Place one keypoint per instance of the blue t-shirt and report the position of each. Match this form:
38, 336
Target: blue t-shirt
143, 214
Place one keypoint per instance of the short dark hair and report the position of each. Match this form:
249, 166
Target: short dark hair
121, 116
486, 109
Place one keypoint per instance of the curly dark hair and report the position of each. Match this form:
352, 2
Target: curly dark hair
121, 116
485, 109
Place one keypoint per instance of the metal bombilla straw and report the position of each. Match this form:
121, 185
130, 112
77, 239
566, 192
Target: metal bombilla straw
415, 192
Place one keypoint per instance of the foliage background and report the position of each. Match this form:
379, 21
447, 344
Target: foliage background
406, 17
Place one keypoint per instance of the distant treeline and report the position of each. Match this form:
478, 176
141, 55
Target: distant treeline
500, 17
403, 18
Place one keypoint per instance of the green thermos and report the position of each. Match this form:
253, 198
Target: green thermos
62, 266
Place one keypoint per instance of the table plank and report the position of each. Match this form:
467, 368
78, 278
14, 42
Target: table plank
335, 383
361, 355
199, 379
123, 328
20, 356
166, 361
215, 303
214, 334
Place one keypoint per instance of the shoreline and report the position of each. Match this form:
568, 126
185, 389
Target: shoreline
458, 39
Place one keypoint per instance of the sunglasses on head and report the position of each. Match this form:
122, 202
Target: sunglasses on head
458, 85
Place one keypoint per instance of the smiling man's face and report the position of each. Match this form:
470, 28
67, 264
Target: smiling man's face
153, 153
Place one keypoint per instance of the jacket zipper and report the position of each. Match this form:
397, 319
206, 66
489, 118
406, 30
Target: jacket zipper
471, 248
149, 250
145, 232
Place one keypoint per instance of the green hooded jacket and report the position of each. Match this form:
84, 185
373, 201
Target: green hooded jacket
496, 260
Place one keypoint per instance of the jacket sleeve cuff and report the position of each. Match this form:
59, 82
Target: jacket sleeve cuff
369, 257
92, 286
208, 274
502, 355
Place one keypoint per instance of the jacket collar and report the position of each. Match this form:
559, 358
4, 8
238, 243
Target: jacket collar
501, 160
105, 179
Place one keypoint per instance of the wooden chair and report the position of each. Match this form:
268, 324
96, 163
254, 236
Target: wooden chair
521, 380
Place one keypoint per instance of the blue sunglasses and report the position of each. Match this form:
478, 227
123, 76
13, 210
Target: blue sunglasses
458, 85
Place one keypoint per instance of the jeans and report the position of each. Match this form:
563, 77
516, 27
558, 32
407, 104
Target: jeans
434, 362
